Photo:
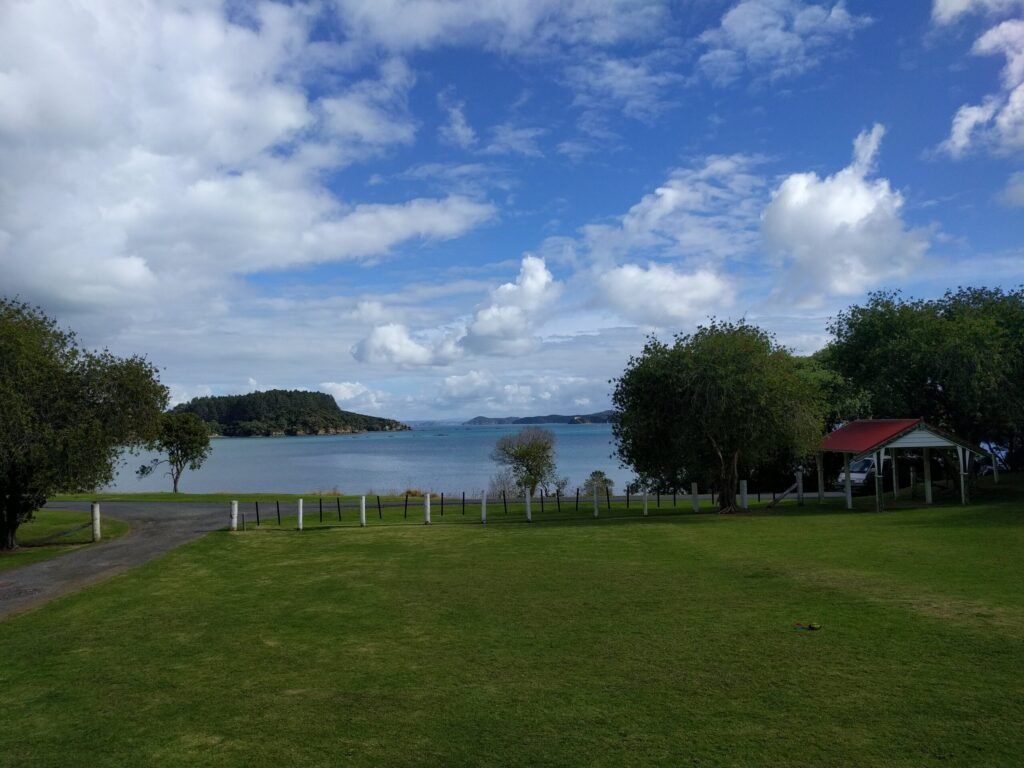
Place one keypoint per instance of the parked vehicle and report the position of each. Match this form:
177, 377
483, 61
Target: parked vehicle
862, 475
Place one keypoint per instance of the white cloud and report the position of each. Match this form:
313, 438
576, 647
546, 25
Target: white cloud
774, 38
508, 139
393, 343
354, 395
640, 87
948, 11
842, 234
1013, 192
525, 25
660, 295
710, 211
998, 122
153, 153
511, 395
506, 325
457, 131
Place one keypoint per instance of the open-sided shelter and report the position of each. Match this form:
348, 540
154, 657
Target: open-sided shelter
874, 437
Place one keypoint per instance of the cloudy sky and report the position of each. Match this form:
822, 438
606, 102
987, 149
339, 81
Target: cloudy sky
443, 208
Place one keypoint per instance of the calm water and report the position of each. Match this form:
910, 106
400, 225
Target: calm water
441, 458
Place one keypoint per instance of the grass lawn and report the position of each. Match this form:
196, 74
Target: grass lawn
38, 539
664, 641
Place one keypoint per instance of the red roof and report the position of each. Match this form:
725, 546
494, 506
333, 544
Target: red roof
859, 437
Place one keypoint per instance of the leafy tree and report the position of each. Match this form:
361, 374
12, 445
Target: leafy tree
185, 439
957, 362
600, 481
65, 413
530, 456
712, 404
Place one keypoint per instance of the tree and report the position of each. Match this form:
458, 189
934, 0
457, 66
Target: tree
65, 413
957, 361
599, 481
530, 456
185, 438
712, 404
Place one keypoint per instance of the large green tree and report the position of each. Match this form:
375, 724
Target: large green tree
530, 456
185, 440
65, 413
957, 361
713, 404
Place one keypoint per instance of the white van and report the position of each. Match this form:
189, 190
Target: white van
862, 475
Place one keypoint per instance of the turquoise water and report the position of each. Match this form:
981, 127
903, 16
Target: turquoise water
451, 459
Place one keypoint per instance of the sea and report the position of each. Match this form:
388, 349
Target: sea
435, 458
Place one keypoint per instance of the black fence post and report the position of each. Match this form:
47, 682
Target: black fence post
278, 503
504, 502
463, 502
321, 509
627, 497
577, 498
658, 498
407, 506
442, 503
338, 499
673, 499
558, 499
380, 512
257, 514
607, 499
542, 501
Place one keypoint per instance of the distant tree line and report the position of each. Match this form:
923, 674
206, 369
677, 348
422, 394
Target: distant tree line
281, 412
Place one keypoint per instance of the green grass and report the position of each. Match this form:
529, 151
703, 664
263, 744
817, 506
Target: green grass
664, 641
36, 538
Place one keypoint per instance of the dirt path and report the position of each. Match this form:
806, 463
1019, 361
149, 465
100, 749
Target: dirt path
156, 528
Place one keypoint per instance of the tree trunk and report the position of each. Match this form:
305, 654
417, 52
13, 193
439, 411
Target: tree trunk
8, 528
729, 484
174, 480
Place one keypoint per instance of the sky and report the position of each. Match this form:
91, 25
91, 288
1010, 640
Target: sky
436, 209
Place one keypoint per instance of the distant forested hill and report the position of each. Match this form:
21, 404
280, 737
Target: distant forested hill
589, 418
282, 412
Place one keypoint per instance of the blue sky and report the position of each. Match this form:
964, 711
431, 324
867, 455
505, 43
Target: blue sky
437, 209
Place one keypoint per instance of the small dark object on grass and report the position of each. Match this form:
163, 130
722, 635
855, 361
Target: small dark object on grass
812, 627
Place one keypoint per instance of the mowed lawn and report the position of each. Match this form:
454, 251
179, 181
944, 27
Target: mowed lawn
53, 532
667, 641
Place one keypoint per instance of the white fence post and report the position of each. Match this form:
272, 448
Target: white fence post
597, 509
234, 515
743, 494
426, 509
483, 507
96, 532
696, 497
645, 502
300, 514
362, 511
529, 512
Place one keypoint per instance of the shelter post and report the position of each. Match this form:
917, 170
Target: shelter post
879, 501
927, 476
895, 475
848, 482
995, 467
821, 479
800, 487
961, 454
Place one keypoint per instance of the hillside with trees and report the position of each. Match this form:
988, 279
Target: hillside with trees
282, 412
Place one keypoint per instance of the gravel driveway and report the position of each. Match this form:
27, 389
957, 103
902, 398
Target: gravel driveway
156, 528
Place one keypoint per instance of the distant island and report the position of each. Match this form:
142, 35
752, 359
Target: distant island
604, 417
283, 412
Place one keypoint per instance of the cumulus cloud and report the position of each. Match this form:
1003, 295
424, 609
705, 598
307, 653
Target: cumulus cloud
774, 38
998, 122
152, 151
354, 395
506, 325
948, 11
393, 343
513, 395
660, 295
842, 234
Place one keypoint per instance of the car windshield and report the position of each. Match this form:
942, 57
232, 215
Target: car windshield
864, 465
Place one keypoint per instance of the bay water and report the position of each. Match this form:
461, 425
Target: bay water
440, 458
